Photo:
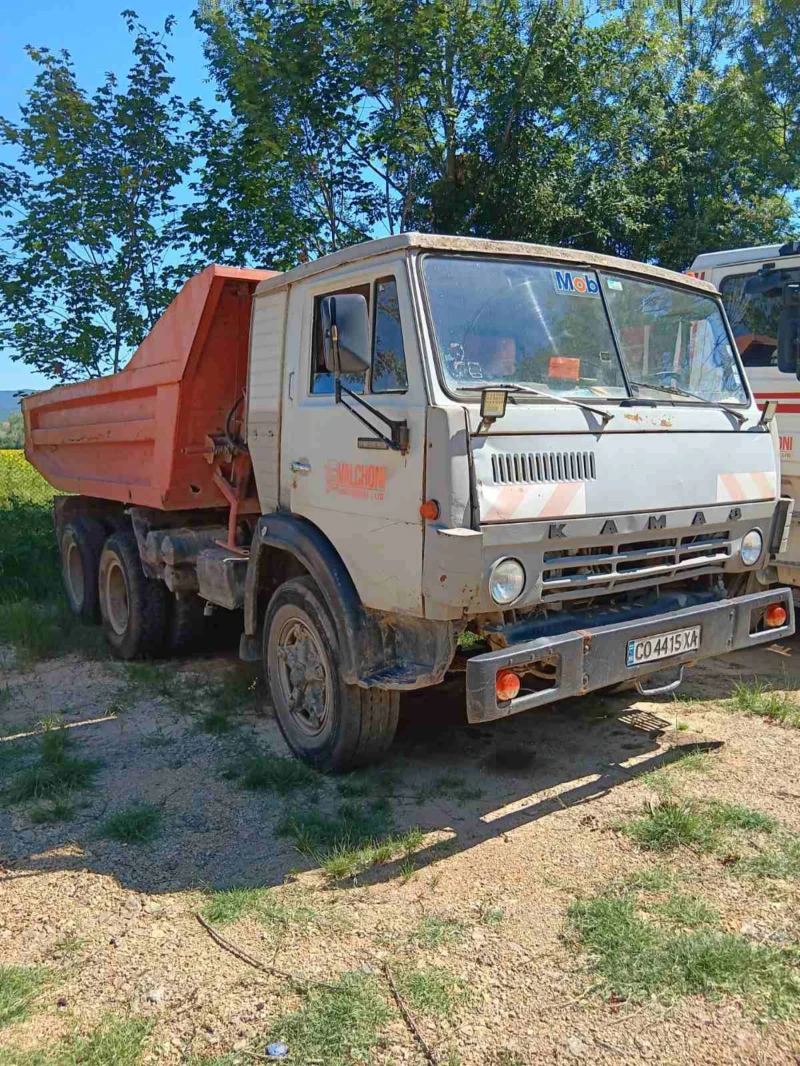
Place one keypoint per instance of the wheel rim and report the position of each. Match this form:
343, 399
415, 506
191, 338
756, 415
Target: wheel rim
116, 590
304, 676
73, 572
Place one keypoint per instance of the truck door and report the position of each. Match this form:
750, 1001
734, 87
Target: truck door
364, 496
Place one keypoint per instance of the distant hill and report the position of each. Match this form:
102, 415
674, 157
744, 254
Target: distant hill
8, 405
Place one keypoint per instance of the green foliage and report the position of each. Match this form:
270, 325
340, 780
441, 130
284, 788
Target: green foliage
431, 990
19, 986
12, 431
759, 698
228, 905
781, 861
116, 1042
54, 776
434, 932
672, 823
278, 774
339, 1024
351, 841
638, 132
91, 223
638, 955
138, 824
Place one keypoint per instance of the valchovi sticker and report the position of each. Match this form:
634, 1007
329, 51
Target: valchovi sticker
365, 481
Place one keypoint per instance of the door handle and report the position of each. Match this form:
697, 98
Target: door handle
300, 466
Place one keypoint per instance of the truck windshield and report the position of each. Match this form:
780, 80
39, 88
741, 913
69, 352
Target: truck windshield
547, 327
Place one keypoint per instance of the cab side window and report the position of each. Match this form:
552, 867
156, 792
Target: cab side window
321, 379
388, 355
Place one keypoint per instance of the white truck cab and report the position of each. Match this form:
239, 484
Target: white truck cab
541, 466
754, 319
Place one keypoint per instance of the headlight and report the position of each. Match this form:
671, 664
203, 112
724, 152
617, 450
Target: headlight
506, 581
751, 548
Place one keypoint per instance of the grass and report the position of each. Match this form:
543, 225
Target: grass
228, 905
759, 698
339, 1024
450, 785
353, 840
435, 932
638, 954
43, 630
431, 990
55, 774
115, 1042
59, 808
19, 987
137, 824
780, 862
274, 773
688, 823
491, 915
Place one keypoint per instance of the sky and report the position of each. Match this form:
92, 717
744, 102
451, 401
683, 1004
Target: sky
93, 32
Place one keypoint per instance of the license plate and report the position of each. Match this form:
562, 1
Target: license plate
663, 645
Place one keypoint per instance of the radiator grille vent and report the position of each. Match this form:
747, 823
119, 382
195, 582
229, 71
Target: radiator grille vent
519, 468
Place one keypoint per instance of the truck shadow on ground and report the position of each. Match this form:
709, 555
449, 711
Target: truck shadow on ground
465, 784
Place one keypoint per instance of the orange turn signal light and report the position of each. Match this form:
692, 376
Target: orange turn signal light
430, 510
775, 615
506, 685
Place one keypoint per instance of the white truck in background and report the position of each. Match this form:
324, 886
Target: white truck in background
754, 319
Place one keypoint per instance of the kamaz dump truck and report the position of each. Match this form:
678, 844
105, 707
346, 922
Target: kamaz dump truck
425, 454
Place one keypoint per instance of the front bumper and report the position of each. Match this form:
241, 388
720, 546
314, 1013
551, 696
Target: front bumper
588, 659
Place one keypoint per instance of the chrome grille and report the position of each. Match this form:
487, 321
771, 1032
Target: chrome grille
601, 569
512, 468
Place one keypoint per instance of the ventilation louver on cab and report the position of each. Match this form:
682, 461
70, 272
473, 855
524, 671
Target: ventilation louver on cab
510, 468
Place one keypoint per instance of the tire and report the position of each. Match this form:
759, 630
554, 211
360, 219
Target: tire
81, 544
331, 725
186, 624
133, 607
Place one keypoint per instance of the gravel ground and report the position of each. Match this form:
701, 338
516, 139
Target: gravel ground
521, 818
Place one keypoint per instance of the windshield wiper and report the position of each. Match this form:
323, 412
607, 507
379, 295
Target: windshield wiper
605, 415
676, 391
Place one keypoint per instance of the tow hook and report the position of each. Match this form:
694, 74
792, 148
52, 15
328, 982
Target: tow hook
660, 689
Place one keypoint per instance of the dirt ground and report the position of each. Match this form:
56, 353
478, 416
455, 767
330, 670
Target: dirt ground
530, 824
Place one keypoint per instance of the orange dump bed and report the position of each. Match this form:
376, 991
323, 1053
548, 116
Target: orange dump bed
140, 436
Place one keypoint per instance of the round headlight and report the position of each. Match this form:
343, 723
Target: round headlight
752, 546
506, 581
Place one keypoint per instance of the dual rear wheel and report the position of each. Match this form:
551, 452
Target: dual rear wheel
104, 582
333, 725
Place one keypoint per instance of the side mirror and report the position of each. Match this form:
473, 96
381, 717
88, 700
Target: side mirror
345, 333
789, 335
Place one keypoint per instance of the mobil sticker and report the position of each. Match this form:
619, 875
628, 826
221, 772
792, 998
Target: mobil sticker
575, 283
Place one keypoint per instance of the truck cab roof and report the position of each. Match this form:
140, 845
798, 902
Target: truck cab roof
431, 242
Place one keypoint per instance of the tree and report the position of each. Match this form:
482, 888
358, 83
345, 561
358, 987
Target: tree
12, 431
631, 127
90, 240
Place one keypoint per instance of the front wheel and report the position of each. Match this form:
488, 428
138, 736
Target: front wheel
332, 725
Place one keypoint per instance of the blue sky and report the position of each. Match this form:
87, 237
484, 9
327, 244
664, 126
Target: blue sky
95, 35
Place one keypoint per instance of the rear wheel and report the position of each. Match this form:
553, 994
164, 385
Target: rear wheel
330, 724
81, 544
133, 607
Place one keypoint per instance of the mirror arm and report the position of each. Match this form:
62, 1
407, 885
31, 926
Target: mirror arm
399, 441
